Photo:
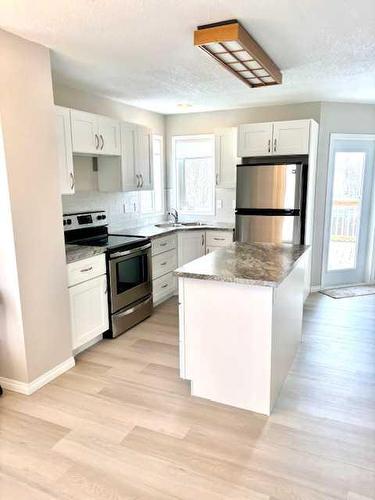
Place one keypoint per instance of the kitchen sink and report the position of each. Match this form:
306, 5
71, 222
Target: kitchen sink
168, 224
192, 224
180, 224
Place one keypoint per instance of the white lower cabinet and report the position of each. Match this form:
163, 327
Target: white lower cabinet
88, 307
218, 239
191, 246
164, 262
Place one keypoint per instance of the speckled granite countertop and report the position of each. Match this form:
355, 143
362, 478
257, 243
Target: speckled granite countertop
80, 252
264, 264
152, 231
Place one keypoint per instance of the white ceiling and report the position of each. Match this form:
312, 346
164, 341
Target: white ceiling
141, 51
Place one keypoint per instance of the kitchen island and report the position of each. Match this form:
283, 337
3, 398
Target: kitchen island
240, 322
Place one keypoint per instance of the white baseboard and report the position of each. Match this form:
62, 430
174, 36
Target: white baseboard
315, 288
29, 388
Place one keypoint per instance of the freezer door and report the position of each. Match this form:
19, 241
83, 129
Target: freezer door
269, 186
268, 228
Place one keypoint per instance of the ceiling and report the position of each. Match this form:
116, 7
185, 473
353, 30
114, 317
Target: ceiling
141, 51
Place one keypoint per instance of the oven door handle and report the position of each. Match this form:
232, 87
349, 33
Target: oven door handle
128, 252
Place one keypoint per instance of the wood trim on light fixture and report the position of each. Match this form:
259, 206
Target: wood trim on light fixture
232, 31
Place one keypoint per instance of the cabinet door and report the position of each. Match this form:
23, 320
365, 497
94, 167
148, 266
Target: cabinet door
88, 310
144, 158
226, 157
191, 246
254, 139
85, 137
64, 150
291, 137
109, 136
130, 178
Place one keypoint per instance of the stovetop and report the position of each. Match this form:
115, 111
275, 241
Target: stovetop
111, 242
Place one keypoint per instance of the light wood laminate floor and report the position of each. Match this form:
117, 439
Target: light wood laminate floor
121, 424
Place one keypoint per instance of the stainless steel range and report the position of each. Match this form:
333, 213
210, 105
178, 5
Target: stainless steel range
129, 271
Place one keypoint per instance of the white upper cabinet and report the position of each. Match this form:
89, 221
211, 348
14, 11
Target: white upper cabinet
133, 171
274, 138
226, 157
95, 134
143, 158
64, 150
254, 139
85, 137
130, 177
109, 136
291, 137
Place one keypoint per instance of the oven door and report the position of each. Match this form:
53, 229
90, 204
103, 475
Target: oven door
130, 276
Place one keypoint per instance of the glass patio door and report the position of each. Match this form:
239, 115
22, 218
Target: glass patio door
348, 210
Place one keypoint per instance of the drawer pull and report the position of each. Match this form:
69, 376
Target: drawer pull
219, 239
163, 263
86, 269
164, 286
163, 244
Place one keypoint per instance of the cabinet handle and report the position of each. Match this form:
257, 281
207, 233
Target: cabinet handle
96, 141
269, 145
219, 239
202, 240
274, 145
101, 137
137, 177
86, 269
71, 181
163, 244
217, 179
141, 176
164, 286
163, 264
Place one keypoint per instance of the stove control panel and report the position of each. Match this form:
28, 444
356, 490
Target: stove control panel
84, 219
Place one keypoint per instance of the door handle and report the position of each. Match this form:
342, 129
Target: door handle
269, 145
274, 145
96, 141
71, 181
101, 137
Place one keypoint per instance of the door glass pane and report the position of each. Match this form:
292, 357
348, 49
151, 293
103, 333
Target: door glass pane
131, 272
346, 209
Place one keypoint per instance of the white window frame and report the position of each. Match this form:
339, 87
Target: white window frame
176, 138
162, 188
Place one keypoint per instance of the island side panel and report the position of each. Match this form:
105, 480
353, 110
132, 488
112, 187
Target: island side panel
287, 325
227, 342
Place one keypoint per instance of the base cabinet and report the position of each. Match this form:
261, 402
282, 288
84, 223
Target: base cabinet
191, 246
88, 301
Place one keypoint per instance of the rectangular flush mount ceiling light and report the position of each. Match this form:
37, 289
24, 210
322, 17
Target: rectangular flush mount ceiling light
232, 46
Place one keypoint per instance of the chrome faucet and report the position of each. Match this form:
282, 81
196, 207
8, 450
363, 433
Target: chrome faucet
173, 213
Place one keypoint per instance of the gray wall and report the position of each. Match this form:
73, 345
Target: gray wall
39, 282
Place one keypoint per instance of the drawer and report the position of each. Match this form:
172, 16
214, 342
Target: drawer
86, 269
219, 238
163, 286
164, 263
163, 244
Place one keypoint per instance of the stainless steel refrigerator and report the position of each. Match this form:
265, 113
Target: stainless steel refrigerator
270, 201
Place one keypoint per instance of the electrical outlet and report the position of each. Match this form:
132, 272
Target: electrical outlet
219, 204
